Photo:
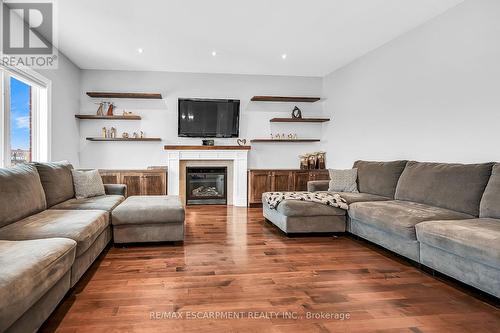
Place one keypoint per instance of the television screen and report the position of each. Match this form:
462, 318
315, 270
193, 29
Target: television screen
209, 118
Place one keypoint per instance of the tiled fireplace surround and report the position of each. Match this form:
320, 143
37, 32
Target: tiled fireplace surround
236, 162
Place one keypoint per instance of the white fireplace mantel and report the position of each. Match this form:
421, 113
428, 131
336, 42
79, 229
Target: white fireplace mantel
239, 158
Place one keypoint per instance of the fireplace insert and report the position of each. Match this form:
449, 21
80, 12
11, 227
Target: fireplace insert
206, 185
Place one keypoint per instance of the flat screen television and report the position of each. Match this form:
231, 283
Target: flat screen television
209, 118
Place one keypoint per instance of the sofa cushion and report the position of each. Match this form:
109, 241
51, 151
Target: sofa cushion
79, 225
103, 202
457, 187
21, 193
400, 217
490, 202
29, 270
149, 209
343, 180
475, 239
379, 178
360, 197
57, 181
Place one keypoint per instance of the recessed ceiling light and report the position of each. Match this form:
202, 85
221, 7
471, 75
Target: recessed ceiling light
283, 56
140, 50
214, 53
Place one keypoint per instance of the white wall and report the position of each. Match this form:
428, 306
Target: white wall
65, 104
160, 116
433, 94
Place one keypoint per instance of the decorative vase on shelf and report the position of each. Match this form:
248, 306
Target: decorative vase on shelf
111, 107
100, 109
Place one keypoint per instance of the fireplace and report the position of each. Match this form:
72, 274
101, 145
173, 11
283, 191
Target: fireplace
206, 185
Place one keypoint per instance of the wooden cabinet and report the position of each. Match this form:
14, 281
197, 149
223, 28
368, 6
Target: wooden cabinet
260, 181
139, 182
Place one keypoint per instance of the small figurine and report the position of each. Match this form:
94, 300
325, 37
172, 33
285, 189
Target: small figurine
104, 132
142, 135
100, 109
125, 135
135, 135
296, 113
111, 107
113, 133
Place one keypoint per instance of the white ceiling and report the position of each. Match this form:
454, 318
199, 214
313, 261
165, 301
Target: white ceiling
249, 37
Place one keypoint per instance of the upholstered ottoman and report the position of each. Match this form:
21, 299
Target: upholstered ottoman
294, 216
141, 219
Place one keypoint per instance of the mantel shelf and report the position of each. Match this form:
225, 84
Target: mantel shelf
123, 139
94, 117
285, 140
292, 99
184, 147
95, 94
299, 120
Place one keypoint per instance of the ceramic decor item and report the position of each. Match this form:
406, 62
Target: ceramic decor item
111, 108
296, 113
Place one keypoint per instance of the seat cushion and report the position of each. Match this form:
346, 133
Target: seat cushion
103, 202
149, 209
490, 202
29, 270
458, 187
299, 208
57, 181
361, 197
379, 178
400, 217
474, 239
21, 193
82, 226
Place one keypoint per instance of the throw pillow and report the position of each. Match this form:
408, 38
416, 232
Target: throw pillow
343, 180
87, 183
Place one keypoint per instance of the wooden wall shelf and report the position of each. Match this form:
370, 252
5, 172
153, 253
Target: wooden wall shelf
285, 99
181, 147
299, 120
93, 117
285, 140
95, 94
123, 139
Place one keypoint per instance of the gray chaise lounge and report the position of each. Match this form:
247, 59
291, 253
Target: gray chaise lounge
445, 216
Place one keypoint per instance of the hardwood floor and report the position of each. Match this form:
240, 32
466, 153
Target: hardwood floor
233, 262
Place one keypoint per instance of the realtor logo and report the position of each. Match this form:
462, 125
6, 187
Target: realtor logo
28, 34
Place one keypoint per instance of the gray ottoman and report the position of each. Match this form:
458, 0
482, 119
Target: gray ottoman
294, 216
148, 219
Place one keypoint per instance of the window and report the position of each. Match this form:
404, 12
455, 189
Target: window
24, 117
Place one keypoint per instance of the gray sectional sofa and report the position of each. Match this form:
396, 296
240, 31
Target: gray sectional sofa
444, 216
48, 239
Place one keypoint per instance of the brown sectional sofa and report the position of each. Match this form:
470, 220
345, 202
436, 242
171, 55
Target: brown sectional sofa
48, 239
444, 216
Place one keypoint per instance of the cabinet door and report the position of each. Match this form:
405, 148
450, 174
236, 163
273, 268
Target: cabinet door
322, 175
281, 181
154, 184
133, 180
110, 178
300, 179
259, 182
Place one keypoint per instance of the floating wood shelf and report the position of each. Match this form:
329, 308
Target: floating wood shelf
95, 94
123, 139
92, 117
299, 120
285, 140
285, 99
180, 147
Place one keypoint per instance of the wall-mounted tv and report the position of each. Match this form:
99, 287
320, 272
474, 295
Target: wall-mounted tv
209, 118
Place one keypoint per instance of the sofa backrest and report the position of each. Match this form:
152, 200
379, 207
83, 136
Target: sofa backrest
458, 187
379, 178
57, 181
490, 203
21, 193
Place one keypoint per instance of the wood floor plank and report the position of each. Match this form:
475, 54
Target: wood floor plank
232, 261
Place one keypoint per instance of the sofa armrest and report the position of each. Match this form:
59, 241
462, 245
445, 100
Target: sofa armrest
318, 185
115, 189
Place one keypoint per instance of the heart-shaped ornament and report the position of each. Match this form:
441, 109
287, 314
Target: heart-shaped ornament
241, 142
